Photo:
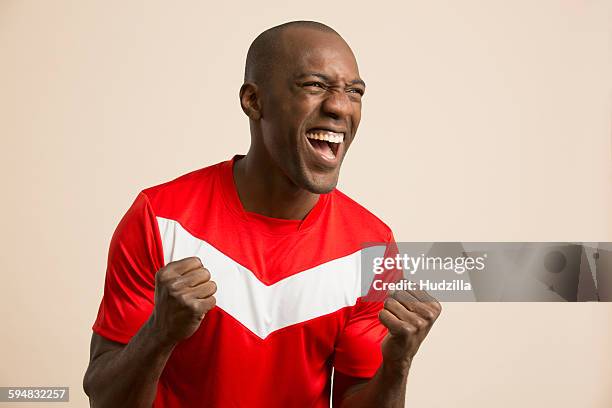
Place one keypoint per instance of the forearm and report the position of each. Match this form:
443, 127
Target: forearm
128, 377
387, 389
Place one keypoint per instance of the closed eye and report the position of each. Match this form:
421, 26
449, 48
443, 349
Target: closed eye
314, 84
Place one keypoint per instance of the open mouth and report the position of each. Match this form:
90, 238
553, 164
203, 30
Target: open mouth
325, 142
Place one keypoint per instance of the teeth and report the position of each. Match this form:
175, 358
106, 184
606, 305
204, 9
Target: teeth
332, 137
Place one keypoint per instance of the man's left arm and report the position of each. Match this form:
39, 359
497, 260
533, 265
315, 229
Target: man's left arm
408, 316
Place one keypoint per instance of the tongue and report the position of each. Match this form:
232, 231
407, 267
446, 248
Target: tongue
323, 148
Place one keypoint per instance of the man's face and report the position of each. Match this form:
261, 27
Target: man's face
311, 108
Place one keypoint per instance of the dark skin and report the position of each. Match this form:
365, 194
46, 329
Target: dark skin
315, 85
127, 375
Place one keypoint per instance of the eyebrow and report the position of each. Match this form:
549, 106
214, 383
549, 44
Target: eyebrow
325, 78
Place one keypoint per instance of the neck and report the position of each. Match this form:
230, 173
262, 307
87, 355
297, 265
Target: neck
264, 189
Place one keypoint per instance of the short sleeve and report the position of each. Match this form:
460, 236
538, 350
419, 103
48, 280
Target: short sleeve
135, 254
358, 352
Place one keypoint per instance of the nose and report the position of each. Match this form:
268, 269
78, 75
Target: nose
337, 105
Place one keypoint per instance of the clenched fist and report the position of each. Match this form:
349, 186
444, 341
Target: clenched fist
183, 296
408, 315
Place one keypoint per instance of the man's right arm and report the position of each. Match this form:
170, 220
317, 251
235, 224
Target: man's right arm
127, 375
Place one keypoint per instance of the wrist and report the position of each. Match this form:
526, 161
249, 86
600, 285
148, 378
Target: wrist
157, 335
396, 369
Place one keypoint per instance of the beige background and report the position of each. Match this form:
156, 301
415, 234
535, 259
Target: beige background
483, 120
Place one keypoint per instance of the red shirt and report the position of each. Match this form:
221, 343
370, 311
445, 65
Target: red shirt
289, 305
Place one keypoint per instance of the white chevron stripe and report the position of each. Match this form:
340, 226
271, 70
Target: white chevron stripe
264, 309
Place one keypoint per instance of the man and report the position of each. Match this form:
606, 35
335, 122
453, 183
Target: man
282, 245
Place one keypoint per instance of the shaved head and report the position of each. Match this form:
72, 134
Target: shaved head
265, 51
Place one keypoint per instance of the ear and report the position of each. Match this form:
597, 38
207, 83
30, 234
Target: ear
249, 100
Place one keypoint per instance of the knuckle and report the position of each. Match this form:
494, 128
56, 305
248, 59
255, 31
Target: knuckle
388, 302
212, 302
213, 285
408, 330
398, 294
175, 283
435, 311
207, 304
196, 262
199, 309
185, 263
429, 315
161, 275
174, 264
184, 299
